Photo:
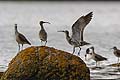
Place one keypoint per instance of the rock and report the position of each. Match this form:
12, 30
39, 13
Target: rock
45, 63
1, 73
115, 65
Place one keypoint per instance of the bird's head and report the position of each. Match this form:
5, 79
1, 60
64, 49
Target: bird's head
87, 51
15, 26
115, 48
92, 48
88, 55
66, 31
41, 22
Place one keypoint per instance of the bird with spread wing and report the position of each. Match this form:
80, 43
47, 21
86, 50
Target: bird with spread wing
78, 27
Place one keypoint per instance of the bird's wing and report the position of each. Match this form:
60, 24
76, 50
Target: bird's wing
118, 51
100, 58
23, 38
79, 25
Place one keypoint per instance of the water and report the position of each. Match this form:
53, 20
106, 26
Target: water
103, 31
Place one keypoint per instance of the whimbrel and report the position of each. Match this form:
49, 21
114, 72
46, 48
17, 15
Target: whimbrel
77, 32
43, 33
116, 53
20, 38
95, 56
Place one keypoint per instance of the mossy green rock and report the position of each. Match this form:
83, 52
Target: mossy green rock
45, 63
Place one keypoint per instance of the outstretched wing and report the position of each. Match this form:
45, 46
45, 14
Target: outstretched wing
79, 25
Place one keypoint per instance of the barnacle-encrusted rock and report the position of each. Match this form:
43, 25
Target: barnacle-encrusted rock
45, 63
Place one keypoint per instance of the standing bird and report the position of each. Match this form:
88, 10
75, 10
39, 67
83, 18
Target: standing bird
95, 56
78, 27
20, 38
116, 53
43, 33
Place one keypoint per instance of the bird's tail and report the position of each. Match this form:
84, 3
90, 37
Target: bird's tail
28, 43
105, 58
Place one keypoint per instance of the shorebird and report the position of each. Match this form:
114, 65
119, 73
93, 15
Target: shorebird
116, 52
20, 38
95, 56
43, 33
76, 40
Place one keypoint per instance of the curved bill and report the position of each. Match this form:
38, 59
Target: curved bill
110, 48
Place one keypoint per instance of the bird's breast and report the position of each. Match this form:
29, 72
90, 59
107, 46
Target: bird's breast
116, 54
18, 40
43, 35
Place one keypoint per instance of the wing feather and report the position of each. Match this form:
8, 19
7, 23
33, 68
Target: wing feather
23, 39
100, 58
79, 25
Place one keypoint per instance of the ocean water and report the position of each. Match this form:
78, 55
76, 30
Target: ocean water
103, 32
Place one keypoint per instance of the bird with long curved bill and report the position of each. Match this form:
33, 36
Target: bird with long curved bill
43, 33
20, 38
77, 40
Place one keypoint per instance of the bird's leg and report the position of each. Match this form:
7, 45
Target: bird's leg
99, 63
73, 49
118, 60
79, 51
41, 42
22, 46
45, 43
18, 47
118, 63
96, 63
